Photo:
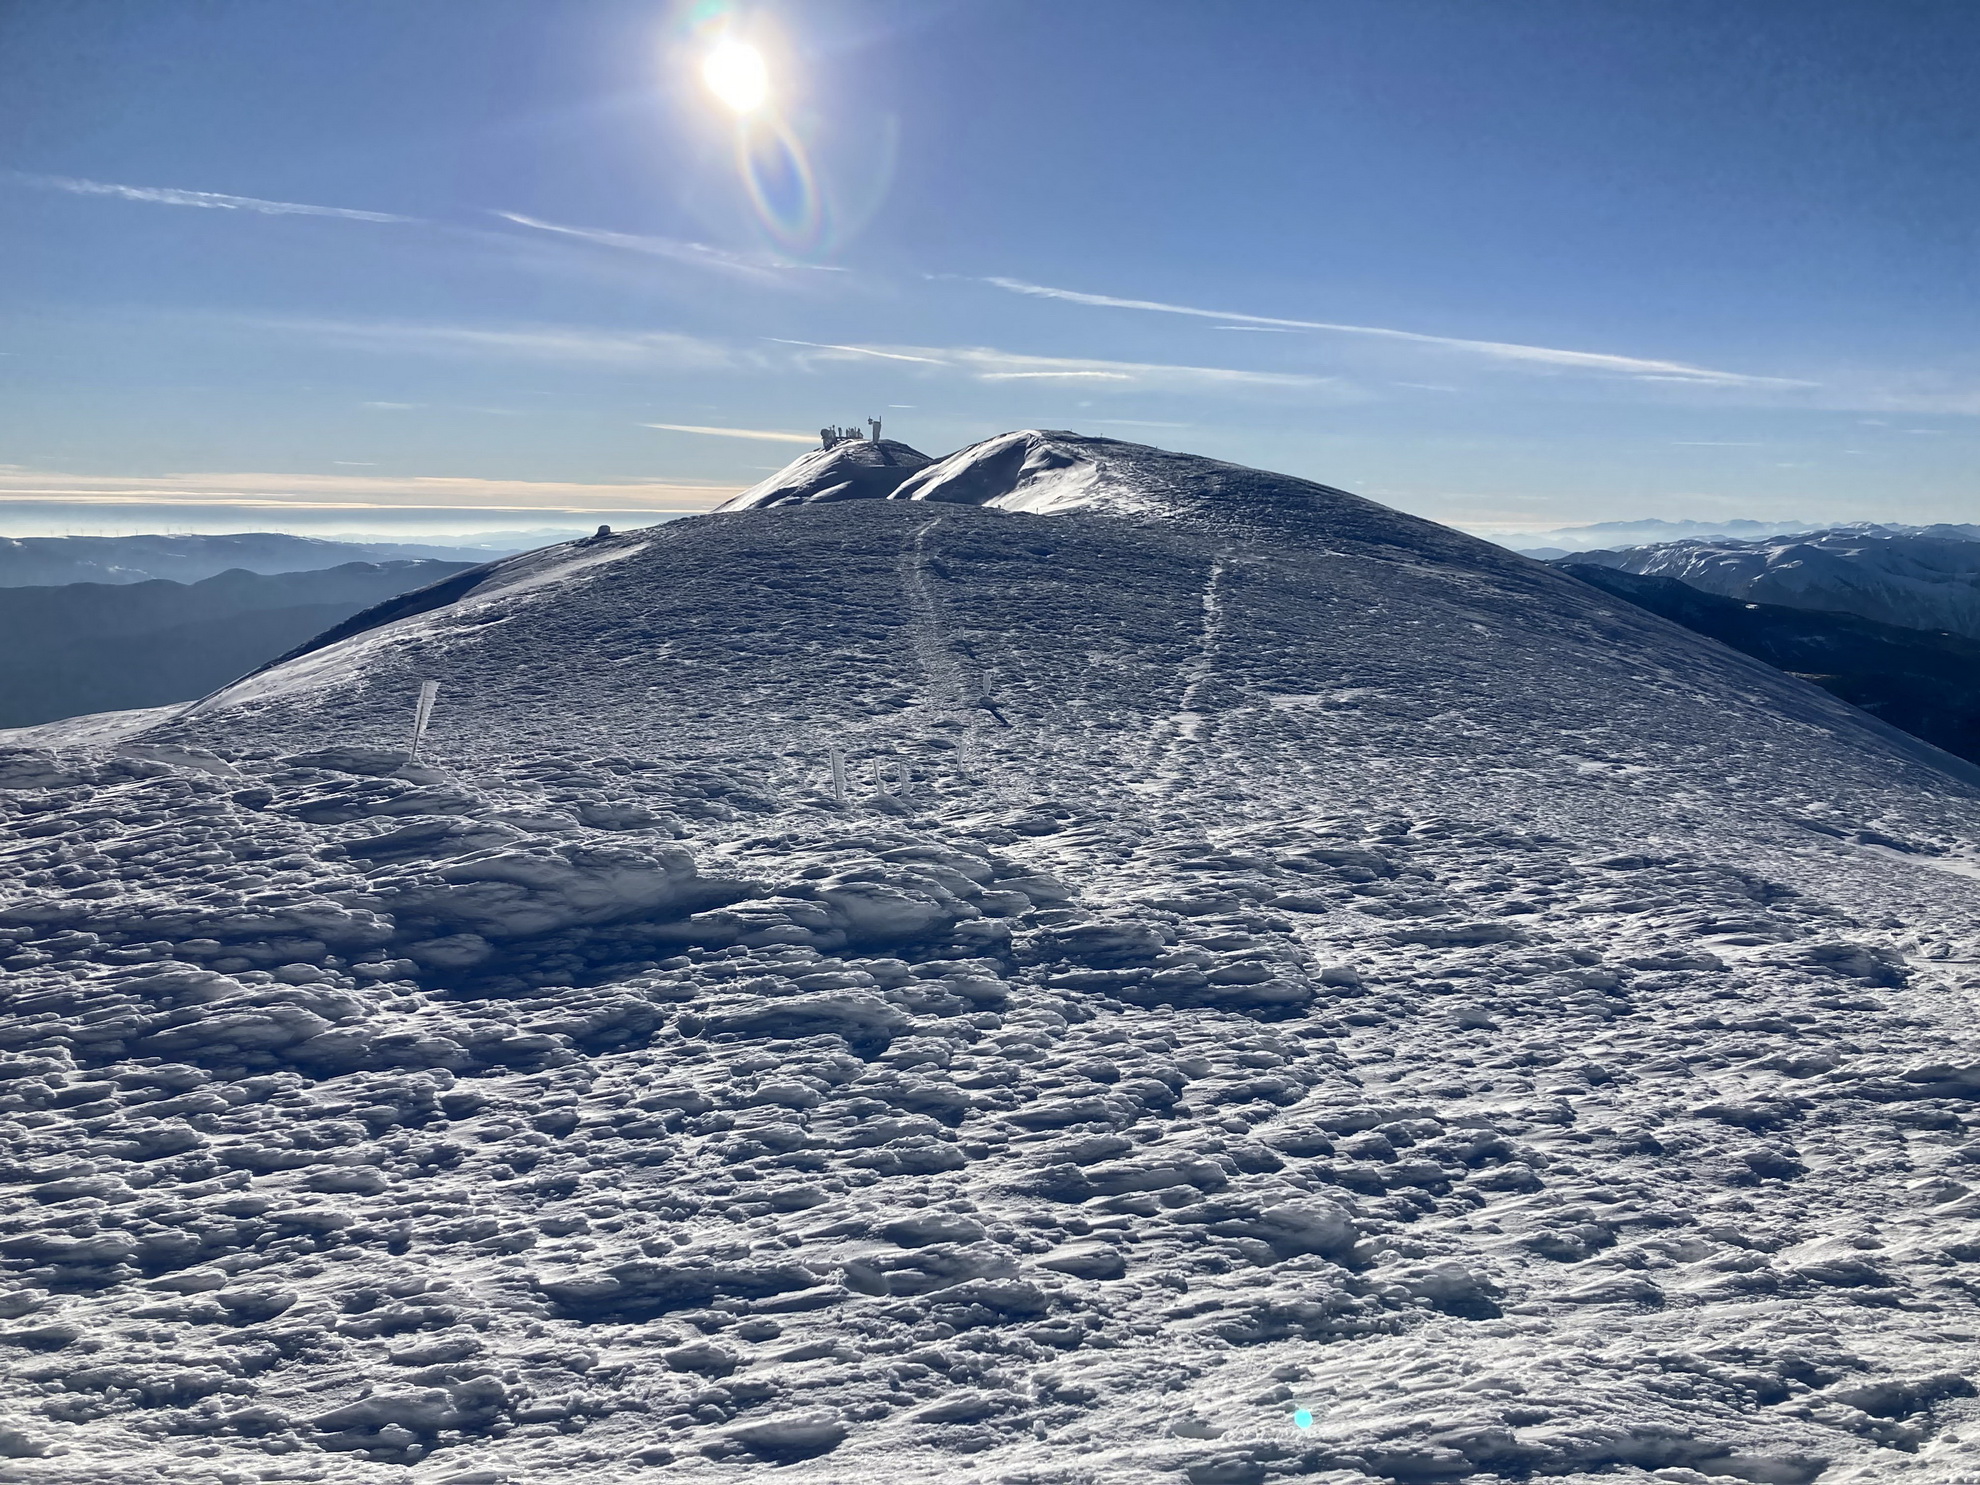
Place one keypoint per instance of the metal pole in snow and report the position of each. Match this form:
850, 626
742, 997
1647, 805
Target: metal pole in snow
839, 774
422, 714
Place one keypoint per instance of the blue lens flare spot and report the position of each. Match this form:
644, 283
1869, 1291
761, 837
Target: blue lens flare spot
777, 174
1302, 1419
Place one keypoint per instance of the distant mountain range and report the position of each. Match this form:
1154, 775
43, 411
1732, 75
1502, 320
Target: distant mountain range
46, 560
111, 646
1566, 540
1917, 577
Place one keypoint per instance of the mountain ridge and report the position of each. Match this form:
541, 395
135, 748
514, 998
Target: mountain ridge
46, 561
1913, 579
1562, 541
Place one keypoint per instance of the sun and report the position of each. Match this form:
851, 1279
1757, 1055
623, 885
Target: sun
736, 74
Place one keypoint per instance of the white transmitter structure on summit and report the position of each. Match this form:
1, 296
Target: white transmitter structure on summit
830, 437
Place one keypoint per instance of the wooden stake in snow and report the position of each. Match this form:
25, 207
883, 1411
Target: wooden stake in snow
422, 714
839, 774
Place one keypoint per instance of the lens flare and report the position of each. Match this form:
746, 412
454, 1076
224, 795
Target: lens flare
777, 165
782, 186
735, 73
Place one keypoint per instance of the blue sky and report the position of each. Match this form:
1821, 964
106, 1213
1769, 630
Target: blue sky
467, 264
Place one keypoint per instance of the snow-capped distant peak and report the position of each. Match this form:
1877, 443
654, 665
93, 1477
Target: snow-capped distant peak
1916, 577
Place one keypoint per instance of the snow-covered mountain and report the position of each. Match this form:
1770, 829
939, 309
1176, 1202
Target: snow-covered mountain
1567, 541
1608, 534
851, 469
1919, 578
1098, 965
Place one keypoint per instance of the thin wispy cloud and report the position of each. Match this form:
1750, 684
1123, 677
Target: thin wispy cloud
994, 365
668, 350
355, 491
990, 365
857, 350
211, 200
1020, 376
767, 434
555, 343
1634, 366
677, 250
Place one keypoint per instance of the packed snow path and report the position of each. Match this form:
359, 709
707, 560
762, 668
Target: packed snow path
1522, 1037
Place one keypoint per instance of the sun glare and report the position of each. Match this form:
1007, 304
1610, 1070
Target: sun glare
735, 73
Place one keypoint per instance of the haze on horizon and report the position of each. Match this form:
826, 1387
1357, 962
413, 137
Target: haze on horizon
347, 265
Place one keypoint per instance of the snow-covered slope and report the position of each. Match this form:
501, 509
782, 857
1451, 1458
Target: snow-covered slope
855, 469
1221, 982
1049, 472
1041, 473
1923, 579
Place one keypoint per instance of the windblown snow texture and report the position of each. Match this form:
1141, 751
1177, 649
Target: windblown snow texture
1278, 955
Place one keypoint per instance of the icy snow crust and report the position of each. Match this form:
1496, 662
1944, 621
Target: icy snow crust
1298, 957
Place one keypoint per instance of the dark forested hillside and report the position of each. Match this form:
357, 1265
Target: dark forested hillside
95, 647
